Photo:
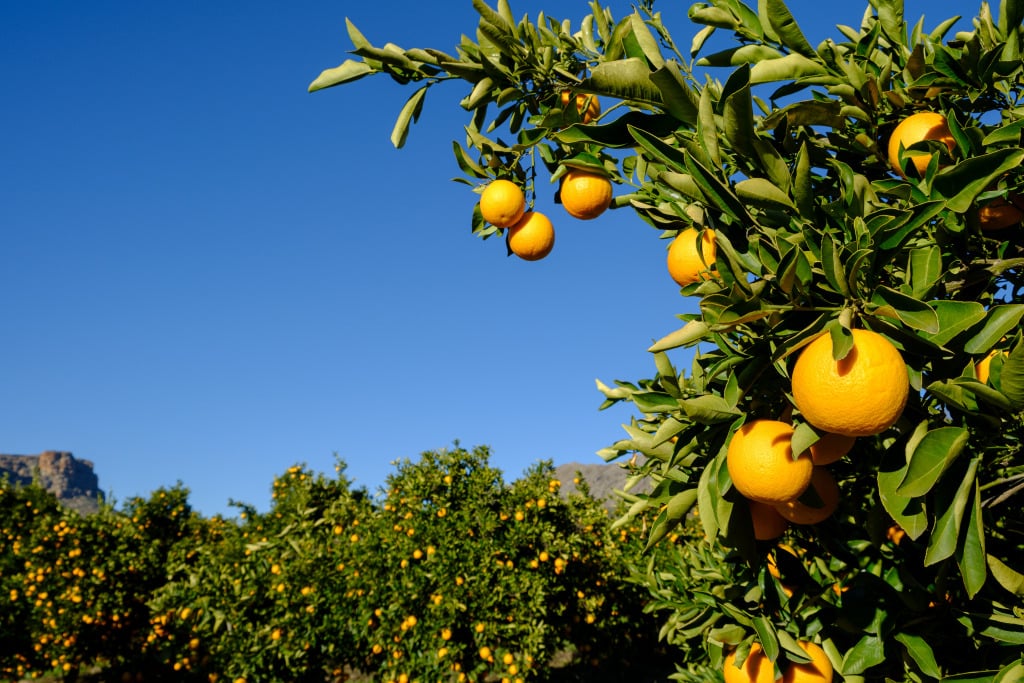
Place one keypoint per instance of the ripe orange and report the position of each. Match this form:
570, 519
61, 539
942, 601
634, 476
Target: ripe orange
768, 523
861, 395
984, 366
588, 106
585, 195
831, 447
924, 125
502, 203
685, 264
818, 670
756, 668
824, 484
1000, 213
761, 464
532, 237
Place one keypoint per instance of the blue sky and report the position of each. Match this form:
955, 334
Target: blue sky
209, 275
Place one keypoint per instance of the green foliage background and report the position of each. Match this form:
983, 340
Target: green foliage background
407, 585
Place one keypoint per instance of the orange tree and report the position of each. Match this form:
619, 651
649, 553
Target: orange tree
817, 224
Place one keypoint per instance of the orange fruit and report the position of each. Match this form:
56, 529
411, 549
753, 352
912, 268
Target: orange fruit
818, 670
588, 106
685, 264
502, 203
761, 464
924, 125
831, 447
895, 533
768, 523
1000, 213
824, 484
756, 668
984, 366
585, 195
861, 395
532, 237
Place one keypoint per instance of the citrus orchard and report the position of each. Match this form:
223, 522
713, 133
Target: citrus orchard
861, 395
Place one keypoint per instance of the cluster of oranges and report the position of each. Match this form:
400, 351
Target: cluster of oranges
584, 194
861, 395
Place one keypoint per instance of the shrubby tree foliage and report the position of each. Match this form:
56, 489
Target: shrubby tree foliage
779, 146
449, 573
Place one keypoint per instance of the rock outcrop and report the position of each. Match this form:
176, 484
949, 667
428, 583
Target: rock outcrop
71, 480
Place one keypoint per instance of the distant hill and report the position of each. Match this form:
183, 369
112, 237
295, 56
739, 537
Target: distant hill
603, 480
72, 481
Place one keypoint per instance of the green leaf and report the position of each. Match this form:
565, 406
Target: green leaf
931, 457
786, 28
660, 151
1000, 320
832, 264
924, 266
709, 409
868, 652
348, 71
970, 556
625, 79
943, 541
1008, 134
674, 512
707, 129
1008, 578
718, 194
893, 233
763, 193
792, 67
745, 54
1011, 377
738, 112
766, 634
955, 318
890, 16
914, 313
919, 650
963, 182
687, 335
410, 112
654, 402
646, 40
1011, 673
679, 99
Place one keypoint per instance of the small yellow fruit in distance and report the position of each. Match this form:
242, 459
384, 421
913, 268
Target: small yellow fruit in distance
756, 668
685, 264
585, 195
502, 203
818, 670
824, 485
532, 237
831, 447
925, 125
588, 106
761, 464
861, 395
768, 523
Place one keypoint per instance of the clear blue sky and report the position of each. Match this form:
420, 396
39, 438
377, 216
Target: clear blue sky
208, 274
